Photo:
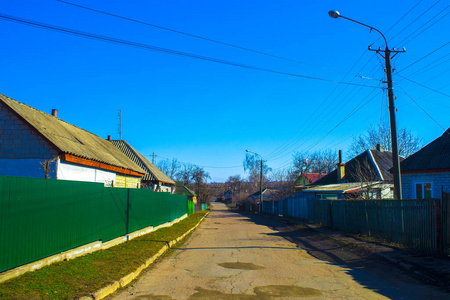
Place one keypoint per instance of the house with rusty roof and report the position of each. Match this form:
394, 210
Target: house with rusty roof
154, 178
41, 145
365, 176
305, 179
426, 173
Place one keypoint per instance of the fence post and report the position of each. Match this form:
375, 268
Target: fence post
128, 213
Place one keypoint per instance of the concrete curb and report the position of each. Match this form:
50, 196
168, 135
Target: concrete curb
124, 281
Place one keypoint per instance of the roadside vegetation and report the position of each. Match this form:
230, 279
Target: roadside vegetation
84, 275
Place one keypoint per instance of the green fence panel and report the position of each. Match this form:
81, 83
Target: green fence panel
43, 217
148, 208
191, 207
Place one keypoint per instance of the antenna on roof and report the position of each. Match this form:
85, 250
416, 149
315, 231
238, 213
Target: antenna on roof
120, 125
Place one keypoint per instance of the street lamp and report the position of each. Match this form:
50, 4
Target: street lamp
387, 59
260, 178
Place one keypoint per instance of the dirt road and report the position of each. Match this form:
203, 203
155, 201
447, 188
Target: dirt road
234, 256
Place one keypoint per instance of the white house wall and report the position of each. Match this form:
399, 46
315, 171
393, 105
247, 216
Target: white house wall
80, 173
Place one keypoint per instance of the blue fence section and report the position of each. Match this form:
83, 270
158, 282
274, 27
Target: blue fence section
417, 224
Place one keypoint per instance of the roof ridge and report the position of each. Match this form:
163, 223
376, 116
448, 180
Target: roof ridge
43, 112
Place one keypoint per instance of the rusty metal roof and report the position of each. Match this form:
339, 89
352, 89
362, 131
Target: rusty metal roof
70, 139
152, 173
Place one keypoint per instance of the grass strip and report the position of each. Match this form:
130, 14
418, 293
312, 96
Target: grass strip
84, 275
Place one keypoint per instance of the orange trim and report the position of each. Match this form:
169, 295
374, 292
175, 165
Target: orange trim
99, 165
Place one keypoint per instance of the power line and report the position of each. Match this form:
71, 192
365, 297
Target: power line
196, 36
407, 26
420, 107
429, 66
424, 57
424, 86
160, 49
351, 113
419, 33
293, 139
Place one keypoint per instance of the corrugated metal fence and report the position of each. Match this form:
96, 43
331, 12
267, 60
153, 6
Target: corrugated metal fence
417, 224
43, 217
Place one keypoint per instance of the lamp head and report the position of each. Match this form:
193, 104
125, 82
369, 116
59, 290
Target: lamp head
247, 151
334, 14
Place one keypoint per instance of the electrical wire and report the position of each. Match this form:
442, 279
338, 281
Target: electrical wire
420, 59
429, 116
430, 66
419, 33
196, 36
306, 123
160, 49
436, 91
398, 21
408, 26
350, 114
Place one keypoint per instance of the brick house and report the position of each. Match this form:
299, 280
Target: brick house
154, 178
426, 173
40, 145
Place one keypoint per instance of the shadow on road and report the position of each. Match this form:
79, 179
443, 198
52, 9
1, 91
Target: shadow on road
365, 267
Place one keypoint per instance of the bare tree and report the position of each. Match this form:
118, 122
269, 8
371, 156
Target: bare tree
408, 143
253, 167
170, 167
185, 173
368, 179
321, 162
46, 164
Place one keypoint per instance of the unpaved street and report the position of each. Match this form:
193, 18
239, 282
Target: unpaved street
233, 256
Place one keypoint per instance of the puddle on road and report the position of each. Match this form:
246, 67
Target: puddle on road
286, 291
262, 292
153, 297
241, 266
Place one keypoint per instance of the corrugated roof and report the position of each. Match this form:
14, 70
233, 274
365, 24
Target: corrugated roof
182, 189
434, 156
152, 172
343, 187
382, 160
70, 139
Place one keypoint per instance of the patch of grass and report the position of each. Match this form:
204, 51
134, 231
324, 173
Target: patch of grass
84, 275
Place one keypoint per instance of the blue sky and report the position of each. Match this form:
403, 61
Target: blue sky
208, 113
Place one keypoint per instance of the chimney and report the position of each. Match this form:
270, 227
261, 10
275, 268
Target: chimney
109, 138
340, 168
55, 112
380, 148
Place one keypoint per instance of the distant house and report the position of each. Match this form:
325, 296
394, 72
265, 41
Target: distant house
307, 179
182, 189
40, 145
364, 176
154, 178
227, 196
253, 200
426, 173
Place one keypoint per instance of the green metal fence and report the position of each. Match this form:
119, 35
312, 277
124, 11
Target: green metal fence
43, 217
416, 224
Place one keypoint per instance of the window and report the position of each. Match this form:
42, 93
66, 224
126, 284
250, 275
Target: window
423, 190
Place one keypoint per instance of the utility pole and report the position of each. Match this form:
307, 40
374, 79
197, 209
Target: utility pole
392, 119
153, 157
260, 179
387, 59
260, 185
120, 125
